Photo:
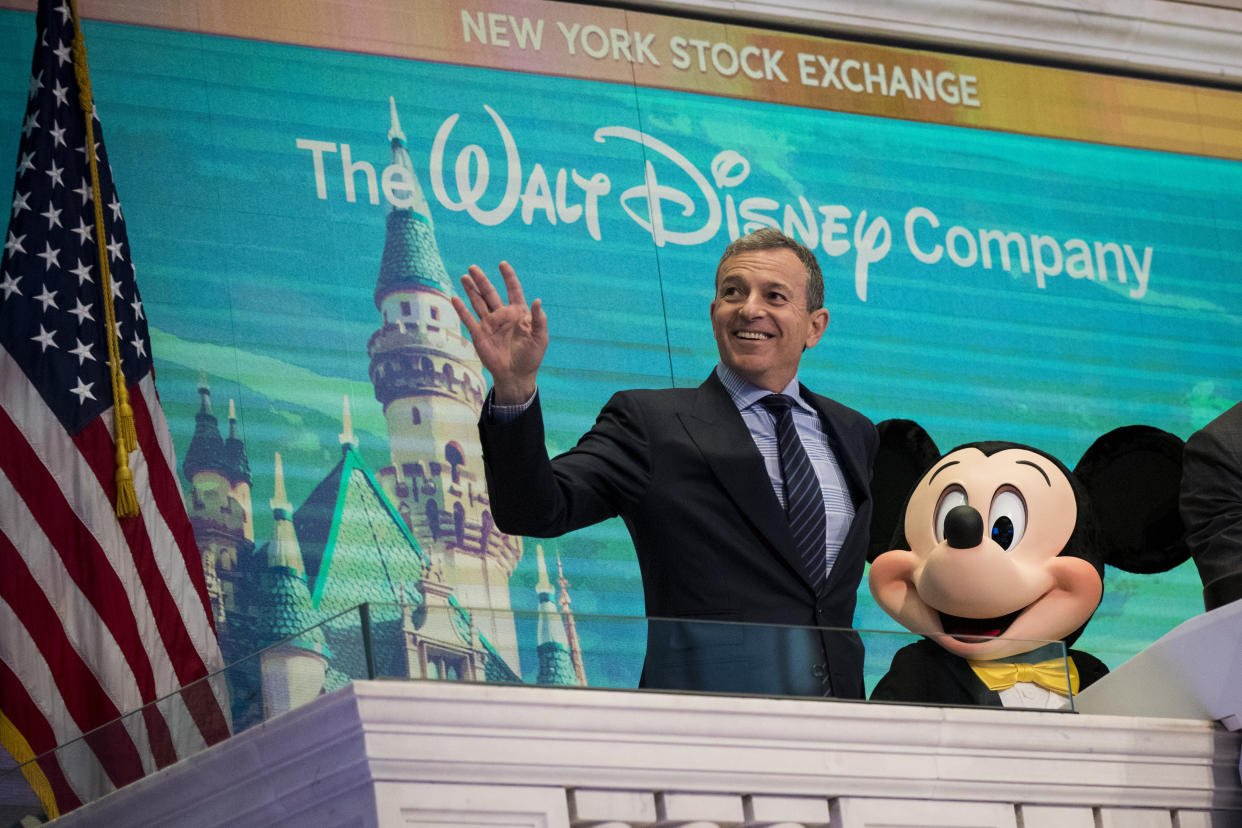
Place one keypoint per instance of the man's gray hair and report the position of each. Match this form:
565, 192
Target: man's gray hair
769, 238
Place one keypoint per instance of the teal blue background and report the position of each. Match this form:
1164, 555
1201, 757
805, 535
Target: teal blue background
247, 274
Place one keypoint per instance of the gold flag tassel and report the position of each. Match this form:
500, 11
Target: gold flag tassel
126, 436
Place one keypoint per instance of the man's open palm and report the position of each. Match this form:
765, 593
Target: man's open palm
510, 338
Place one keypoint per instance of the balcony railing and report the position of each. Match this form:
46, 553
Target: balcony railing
449, 643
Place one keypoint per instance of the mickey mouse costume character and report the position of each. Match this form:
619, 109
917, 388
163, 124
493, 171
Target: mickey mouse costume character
999, 547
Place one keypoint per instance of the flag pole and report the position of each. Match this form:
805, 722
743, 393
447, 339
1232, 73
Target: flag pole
126, 437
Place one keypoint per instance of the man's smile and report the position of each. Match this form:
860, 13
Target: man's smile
760, 317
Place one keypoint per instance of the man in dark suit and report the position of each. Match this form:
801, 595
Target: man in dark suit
1211, 505
700, 478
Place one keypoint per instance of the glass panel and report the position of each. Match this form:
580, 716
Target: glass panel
423, 640
279, 678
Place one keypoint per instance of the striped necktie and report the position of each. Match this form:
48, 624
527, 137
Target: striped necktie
804, 501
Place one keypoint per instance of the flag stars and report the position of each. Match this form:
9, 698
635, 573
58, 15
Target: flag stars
116, 287
83, 230
36, 83
83, 391
61, 93
50, 256
83, 272
54, 173
63, 54
137, 306
82, 312
115, 207
47, 298
27, 162
82, 149
14, 244
20, 202
139, 345
45, 338
114, 250
65, 13
58, 135
82, 352
52, 214
84, 190
32, 123
9, 285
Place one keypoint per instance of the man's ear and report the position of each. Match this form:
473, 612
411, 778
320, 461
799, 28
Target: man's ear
819, 324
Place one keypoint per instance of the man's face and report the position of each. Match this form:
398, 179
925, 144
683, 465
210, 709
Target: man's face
760, 319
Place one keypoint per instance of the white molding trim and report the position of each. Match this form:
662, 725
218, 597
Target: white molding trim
364, 754
1180, 40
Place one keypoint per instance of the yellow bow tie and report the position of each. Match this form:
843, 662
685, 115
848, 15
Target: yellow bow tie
1051, 674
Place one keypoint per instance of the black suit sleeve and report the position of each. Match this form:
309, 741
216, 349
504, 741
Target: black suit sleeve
599, 478
1211, 506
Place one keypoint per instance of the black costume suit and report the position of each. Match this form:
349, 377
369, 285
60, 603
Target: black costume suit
926, 673
713, 543
1211, 505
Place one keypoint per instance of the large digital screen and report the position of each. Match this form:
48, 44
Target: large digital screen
1010, 252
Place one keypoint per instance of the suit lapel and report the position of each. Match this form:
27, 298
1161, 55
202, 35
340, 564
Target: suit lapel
715, 426
851, 463
848, 458
971, 683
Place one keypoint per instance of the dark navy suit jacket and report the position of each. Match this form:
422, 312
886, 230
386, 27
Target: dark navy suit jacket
1211, 505
713, 543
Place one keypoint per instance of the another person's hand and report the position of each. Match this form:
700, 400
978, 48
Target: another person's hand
510, 339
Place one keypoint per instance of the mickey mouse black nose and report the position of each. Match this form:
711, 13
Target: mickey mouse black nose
963, 527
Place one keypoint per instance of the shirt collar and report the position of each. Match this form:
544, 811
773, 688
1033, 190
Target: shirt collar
745, 394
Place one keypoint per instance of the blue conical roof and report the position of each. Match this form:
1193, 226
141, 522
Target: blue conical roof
411, 257
206, 449
555, 665
237, 465
287, 610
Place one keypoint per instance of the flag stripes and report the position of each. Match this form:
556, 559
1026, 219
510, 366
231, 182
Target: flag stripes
34, 736
102, 615
119, 607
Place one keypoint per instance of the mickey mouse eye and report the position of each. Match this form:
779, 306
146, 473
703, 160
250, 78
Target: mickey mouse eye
1008, 518
953, 496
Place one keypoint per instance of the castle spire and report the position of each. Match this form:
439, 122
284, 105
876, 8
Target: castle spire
347, 438
543, 587
411, 259
206, 449
555, 664
395, 133
571, 629
284, 550
429, 382
238, 470
204, 391
295, 659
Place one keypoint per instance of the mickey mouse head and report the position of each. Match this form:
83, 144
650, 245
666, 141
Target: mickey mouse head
999, 547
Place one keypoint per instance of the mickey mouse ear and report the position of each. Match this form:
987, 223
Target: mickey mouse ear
904, 453
1133, 476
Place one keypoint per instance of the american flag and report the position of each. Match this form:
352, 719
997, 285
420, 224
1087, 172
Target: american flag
99, 615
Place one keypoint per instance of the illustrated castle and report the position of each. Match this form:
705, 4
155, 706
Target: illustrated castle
415, 540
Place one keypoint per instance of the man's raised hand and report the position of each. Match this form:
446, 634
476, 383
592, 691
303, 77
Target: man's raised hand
510, 338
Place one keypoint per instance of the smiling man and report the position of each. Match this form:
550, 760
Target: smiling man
746, 498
